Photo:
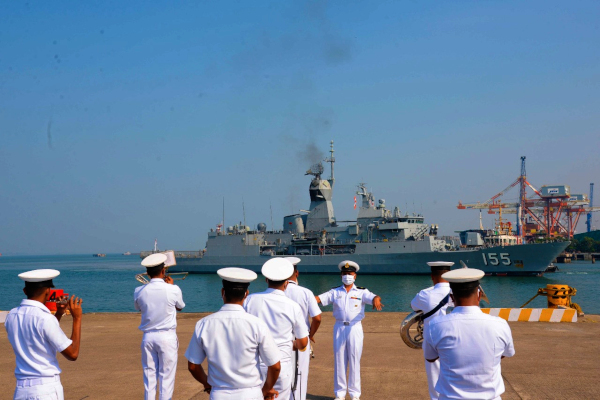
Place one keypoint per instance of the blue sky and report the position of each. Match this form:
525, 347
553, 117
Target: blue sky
125, 122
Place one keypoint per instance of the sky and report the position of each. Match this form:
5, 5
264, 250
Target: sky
122, 122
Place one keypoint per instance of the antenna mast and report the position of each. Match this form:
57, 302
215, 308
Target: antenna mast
331, 161
589, 215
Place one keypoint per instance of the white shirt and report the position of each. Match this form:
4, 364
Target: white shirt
348, 306
427, 299
232, 340
157, 301
283, 316
470, 345
36, 337
305, 299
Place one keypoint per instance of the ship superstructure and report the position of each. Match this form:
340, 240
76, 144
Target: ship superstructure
382, 241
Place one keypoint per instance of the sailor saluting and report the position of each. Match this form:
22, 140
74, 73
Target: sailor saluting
159, 302
36, 337
284, 318
232, 341
348, 310
468, 343
437, 299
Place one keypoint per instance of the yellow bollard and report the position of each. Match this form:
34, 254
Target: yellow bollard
558, 295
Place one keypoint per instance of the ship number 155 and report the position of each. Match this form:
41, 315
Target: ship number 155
496, 258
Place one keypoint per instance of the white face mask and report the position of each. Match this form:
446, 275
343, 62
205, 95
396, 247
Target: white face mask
348, 279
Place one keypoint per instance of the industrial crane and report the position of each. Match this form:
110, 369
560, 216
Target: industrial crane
552, 210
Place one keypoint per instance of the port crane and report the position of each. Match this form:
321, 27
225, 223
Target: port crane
552, 210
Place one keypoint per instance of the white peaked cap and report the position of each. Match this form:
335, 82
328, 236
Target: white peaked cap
349, 264
154, 259
277, 269
293, 260
440, 263
463, 275
39, 275
233, 274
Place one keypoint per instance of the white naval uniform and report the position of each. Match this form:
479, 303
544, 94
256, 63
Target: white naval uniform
348, 311
284, 318
426, 300
36, 337
232, 340
470, 345
306, 300
157, 301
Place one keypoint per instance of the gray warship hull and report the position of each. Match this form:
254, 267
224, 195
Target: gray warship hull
382, 241
518, 260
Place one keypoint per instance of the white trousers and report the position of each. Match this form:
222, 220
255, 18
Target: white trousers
254, 393
433, 374
159, 360
303, 363
347, 350
45, 391
285, 380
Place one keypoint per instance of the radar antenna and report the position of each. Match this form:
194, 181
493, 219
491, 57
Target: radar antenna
316, 170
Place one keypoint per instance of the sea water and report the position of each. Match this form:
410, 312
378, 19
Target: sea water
106, 284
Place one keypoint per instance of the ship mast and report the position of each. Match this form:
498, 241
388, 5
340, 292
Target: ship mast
331, 161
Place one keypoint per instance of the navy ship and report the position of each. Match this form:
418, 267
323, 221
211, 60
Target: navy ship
382, 241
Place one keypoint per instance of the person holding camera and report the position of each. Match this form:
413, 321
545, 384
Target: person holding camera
35, 336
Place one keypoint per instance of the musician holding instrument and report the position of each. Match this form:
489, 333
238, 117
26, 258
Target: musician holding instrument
35, 336
233, 342
468, 343
348, 310
310, 309
159, 302
433, 301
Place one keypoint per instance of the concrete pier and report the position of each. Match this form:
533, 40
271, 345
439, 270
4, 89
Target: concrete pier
552, 361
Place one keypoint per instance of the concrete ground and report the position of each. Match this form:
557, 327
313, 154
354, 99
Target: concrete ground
552, 361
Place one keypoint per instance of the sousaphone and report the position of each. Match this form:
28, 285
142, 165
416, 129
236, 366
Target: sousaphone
411, 329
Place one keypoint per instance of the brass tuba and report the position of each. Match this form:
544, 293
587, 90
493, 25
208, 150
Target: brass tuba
412, 334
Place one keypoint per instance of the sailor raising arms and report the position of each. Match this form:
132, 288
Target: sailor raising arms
306, 300
36, 337
468, 343
427, 300
232, 341
284, 318
159, 302
348, 310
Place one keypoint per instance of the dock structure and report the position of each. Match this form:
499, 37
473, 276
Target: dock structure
109, 365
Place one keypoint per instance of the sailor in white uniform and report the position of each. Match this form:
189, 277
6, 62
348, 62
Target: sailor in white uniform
284, 318
35, 336
159, 301
468, 343
435, 298
233, 341
348, 310
310, 309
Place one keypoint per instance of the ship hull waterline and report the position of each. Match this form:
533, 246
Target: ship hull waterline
517, 260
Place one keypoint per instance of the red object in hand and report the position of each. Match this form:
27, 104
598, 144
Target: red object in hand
55, 295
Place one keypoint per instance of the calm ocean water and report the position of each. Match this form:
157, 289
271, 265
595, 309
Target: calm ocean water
107, 284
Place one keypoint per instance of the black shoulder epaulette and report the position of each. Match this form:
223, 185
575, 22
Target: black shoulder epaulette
360, 287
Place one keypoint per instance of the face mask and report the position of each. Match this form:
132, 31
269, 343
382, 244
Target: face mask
348, 279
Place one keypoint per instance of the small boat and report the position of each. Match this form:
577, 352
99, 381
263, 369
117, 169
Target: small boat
127, 253
99, 255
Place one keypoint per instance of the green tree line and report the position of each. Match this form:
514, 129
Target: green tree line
585, 245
